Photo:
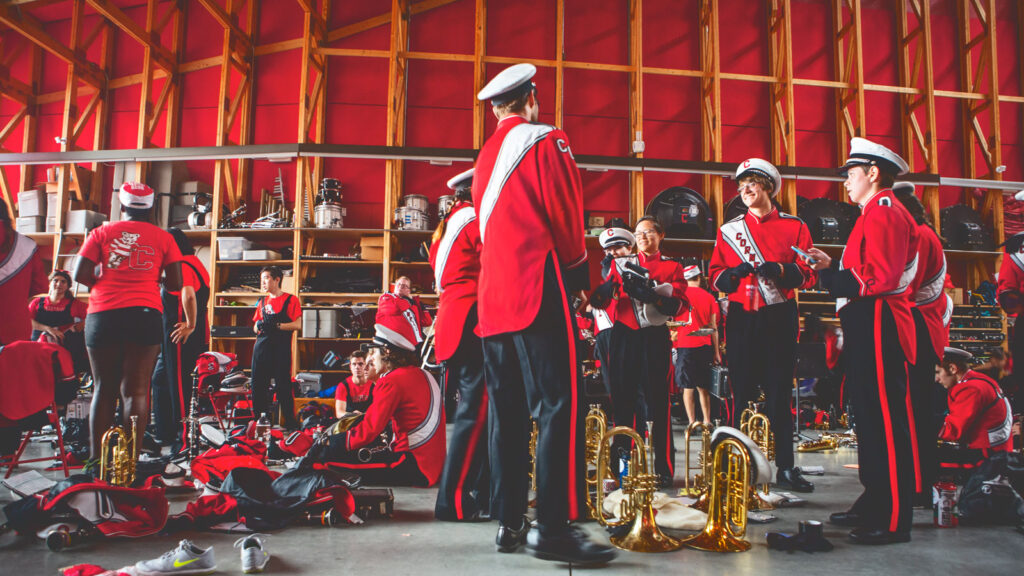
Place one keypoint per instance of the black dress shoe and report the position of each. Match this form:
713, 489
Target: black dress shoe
846, 519
878, 536
791, 479
509, 539
570, 544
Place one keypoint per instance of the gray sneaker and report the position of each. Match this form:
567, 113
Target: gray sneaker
187, 558
254, 552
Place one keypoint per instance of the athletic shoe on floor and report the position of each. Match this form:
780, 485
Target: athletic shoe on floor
187, 558
254, 552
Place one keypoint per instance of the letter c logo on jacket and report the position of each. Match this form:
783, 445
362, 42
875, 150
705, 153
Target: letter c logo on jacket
564, 147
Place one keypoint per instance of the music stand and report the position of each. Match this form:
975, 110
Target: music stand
810, 363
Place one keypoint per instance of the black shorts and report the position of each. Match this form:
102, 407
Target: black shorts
135, 325
693, 367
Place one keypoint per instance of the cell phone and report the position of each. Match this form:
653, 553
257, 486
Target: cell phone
810, 259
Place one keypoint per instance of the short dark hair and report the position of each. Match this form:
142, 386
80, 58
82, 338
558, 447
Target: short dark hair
514, 106
274, 272
184, 245
357, 354
954, 360
997, 353
885, 179
657, 225
140, 214
399, 357
61, 273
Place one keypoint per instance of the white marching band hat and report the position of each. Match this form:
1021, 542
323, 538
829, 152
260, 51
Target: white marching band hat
460, 181
762, 167
958, 354
135, 195
509, 84
611, 237
691, 272
864, 152
903, 187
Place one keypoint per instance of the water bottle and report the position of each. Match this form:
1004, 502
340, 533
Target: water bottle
263, 429
752, 304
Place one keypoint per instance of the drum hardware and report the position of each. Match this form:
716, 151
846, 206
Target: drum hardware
119, 451
416, 202
727, 512
234, 219
407, 218
638, 487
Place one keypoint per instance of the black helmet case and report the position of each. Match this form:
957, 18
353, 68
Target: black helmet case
683, 213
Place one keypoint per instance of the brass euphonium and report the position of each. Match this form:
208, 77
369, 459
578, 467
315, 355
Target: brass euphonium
638, 487
759, 429
749, 411
700, 471
727, 512
119, 451
595, 426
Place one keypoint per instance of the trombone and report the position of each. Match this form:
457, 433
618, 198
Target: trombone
727, 512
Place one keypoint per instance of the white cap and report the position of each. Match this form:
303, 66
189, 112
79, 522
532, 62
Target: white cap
762, 167
615, 237
691, 272
136, 195
958, 354
1019, 196
509, 84
903, 187
865, 152
463, 180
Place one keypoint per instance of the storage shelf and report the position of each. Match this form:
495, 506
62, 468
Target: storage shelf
337, 262
255, 262
335, 339
990, 329
327, 371
411, 264
234, 337
258, 233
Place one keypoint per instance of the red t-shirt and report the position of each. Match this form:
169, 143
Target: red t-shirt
702, 306
275, 304
132, 255
360, 392
188, 275
78, 308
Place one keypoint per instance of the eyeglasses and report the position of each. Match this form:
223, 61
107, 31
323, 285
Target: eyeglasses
646, 233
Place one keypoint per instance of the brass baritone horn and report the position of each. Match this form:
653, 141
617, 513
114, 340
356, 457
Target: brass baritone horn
749, 411
727, 512
595, 426
119, 451
638, 487
701, 470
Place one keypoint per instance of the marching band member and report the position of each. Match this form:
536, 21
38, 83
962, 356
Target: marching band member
464, 493
400, 301
932, 312
355, 393
61, 317
121, 262
1011, 284
694, 355
277, 315
21, 277
616, 243
873, 282
529, 203
404, 395
979, 416
640, 350
754, 263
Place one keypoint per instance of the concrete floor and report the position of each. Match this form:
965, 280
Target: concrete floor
413, 543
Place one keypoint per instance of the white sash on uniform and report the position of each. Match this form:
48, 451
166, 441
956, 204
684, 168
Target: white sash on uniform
738, 237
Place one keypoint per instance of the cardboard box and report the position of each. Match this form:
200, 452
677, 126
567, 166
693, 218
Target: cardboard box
288, 283
260, 255
29, 224
81, 221
188, 190
372, 248
52, 206
51, 223
32, 202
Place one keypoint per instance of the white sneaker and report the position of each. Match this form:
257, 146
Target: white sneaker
187, 558
254, 552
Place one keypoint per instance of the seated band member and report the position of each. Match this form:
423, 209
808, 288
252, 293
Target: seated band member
21, 276
355, 393
402, 302
979, 416
404, 395
693, 355
277, 315
61, 317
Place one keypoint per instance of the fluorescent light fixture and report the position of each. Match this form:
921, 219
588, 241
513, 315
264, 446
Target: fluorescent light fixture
984, 184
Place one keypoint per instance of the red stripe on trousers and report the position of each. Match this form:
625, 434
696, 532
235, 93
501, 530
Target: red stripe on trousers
887, 419
369, 466
913, 437
470, 449
573, 504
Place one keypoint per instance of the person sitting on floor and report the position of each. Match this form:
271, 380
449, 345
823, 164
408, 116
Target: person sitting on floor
404, 395
355, 393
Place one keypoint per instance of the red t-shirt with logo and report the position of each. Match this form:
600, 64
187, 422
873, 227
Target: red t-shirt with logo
132, 255
702, 306
360, 392
276, 304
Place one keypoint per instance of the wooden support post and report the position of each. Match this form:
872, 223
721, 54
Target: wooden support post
480, 108
636, 104
31, 122
560, 63
396, 120
312, 105
849, 67
711, 104
782, 116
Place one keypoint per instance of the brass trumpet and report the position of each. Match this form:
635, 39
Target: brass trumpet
119, 451
727, 513
759, 429
701, 472
745, 416
595, 426
638, 488
820, 445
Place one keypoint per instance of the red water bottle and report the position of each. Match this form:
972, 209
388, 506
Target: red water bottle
752, 302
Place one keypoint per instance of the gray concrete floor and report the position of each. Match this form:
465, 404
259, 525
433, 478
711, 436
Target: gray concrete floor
413, 543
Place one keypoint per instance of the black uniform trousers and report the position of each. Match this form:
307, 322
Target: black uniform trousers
272, 359
876, 384
385, 468
535, 372
924, 425
465, 482
172, 382
761, 350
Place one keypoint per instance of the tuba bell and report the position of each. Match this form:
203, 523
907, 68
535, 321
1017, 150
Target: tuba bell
759, 429
119, 451
638, 487
727, 512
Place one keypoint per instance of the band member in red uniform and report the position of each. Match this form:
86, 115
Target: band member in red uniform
694, 355
979, 416
21, 277
60, 317
465, 492
932, 312
616, 243
122, 262
404, 395
873, 282
640, 365
755, 264
402, 302
355, 394
1011, 285
277, 316
529, 203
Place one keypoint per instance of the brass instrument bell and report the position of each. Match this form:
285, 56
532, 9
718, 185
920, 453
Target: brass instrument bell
119, 452
727, 513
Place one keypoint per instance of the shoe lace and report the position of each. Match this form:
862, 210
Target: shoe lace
183, 545
260, 538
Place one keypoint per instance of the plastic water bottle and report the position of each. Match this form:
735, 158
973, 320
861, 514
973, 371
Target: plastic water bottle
752, 303
263, 430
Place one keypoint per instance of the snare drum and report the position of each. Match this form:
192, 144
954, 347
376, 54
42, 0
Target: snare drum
328, 215
409, 219
444, 206
416, 202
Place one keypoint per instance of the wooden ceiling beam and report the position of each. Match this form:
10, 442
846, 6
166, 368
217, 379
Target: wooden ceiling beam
31, 28
228, 22
147, 38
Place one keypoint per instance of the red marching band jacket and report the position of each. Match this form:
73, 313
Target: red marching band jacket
881, 254
529, 204
624, 309
1011, 272
391, 304
759, 240
929, 297
455, 259
979, 415
412, 398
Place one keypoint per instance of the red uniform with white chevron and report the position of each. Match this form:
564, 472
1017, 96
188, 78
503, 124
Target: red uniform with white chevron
929, 297
979, 415
455, 259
